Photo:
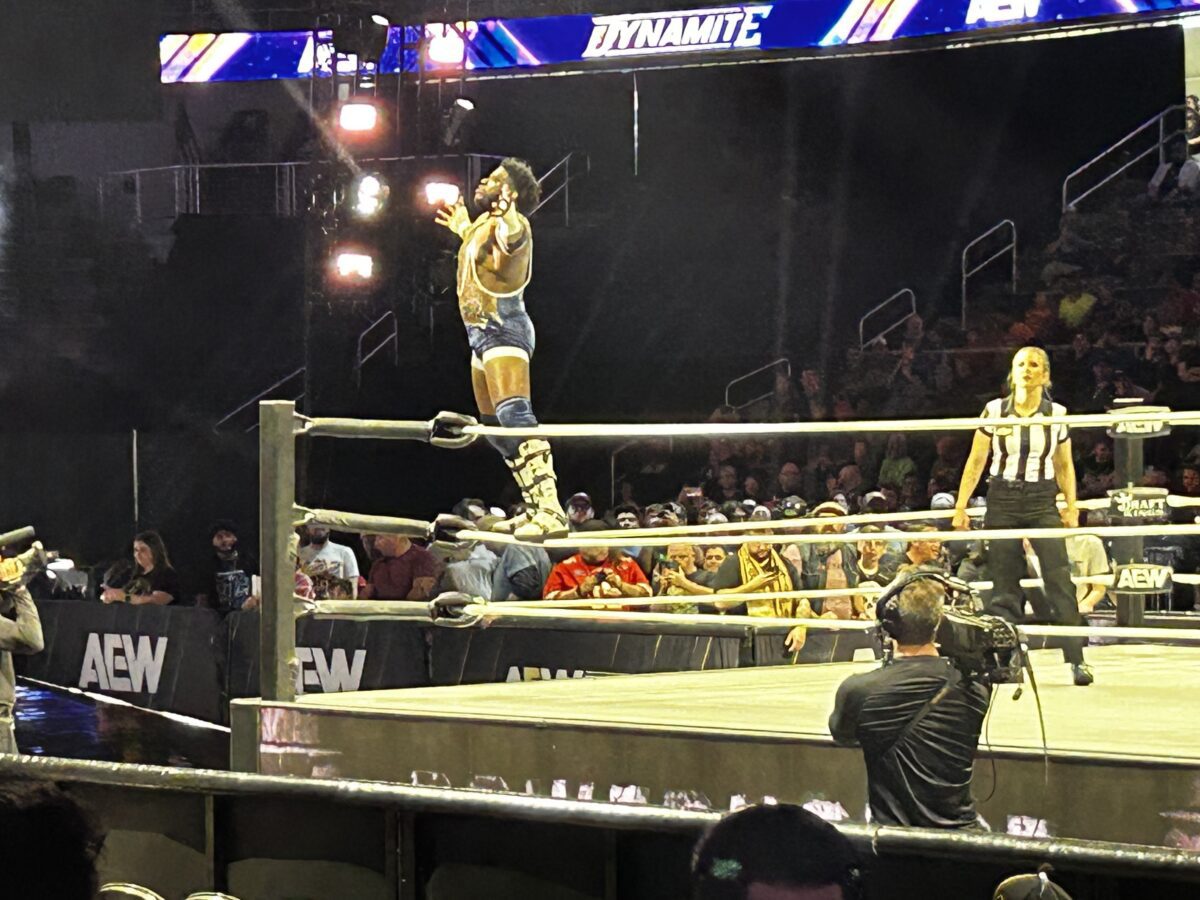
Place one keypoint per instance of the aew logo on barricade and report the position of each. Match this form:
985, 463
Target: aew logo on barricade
993, 11
114, 662
1142, 578
328, 674
535, 673
1138, 503
728, 28
1140, 421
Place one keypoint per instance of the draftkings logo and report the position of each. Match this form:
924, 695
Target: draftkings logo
727, 28
1138, 503
328, 674
125, 663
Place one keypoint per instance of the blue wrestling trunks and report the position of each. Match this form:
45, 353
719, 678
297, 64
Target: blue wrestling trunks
509, 327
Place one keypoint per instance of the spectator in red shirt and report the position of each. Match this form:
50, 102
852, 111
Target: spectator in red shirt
596, 572
403, 571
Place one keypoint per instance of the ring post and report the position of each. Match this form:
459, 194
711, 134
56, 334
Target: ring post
1128, 466
276, 498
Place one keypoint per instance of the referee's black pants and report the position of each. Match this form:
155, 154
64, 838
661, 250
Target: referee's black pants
1031, 504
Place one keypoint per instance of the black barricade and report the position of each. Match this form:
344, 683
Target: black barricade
334, 655
819, 647
159, 657
474, 655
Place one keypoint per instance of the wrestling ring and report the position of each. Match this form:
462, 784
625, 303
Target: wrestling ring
1103, 780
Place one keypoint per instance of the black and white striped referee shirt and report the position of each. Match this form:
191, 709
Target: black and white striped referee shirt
1023, 452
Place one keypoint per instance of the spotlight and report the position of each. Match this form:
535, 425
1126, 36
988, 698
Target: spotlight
361, 36
354, 266
446, 45
358, 117
455, 121
441, 193
369, 192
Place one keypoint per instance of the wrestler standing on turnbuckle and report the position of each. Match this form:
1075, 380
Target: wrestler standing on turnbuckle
495, 265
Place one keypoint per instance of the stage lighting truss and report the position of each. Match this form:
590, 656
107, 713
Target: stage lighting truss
455, 119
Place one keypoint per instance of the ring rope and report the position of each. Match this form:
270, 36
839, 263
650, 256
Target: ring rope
768, 429
652, 537
766, 623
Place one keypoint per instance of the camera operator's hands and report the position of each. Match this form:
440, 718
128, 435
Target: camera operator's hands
795, 639
961, 521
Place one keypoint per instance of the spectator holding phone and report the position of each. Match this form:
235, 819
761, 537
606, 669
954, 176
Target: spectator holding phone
596, 572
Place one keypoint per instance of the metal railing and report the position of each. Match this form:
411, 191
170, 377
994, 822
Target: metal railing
265, 394
582, 160
783, 362
1155, 126
361, 357
863, 341
612, 466
1010, 246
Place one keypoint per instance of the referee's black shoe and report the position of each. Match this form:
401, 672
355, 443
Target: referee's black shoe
1083, 674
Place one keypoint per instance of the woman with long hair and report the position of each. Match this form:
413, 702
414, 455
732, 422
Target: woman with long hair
153, 580
1030, 464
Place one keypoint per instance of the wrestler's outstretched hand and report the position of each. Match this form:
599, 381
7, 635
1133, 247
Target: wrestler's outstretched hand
454, 217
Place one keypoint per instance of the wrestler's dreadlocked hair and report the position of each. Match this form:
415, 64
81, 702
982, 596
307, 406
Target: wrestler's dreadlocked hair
529, 192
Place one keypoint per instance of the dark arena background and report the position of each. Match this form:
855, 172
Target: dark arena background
854, 216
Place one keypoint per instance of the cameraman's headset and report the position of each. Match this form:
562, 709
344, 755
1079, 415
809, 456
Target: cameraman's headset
887, 608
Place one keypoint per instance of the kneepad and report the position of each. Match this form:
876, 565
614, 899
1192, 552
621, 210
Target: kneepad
516, 412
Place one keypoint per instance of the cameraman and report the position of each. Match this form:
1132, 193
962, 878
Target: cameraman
916, 718
20, 632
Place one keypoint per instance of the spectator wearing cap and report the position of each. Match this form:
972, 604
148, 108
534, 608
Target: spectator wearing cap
774, 852
596, 573
471, 508
580, 510
228, 572
627, 516
757, 567
1034, 886
404, 570
831, 565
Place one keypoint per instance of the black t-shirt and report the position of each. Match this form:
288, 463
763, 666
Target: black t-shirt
925, 778
729, 576
228, 584
163, 579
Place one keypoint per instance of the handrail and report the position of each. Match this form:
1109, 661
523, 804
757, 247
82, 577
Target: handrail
1163, 137
1011, 245
259, 396
393, 338
771, 365
565, 187
862, 342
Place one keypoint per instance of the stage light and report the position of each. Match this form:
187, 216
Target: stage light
361, 36
445, 44
370, 192
380, 20
455, 120
354, 266
358, 117
442, 193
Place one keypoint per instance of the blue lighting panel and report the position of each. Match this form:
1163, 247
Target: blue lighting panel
498, 44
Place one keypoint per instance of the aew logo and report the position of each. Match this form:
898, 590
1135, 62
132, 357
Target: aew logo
328, 674
533, 673
1142, 578
1139, 503
993, 11
733, 27
1140, 422
113, 662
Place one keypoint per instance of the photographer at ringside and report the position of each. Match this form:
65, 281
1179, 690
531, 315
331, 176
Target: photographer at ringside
917, 718
596, 572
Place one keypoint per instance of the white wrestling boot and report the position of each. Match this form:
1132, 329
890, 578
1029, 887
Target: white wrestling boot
533, 470
511, 524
